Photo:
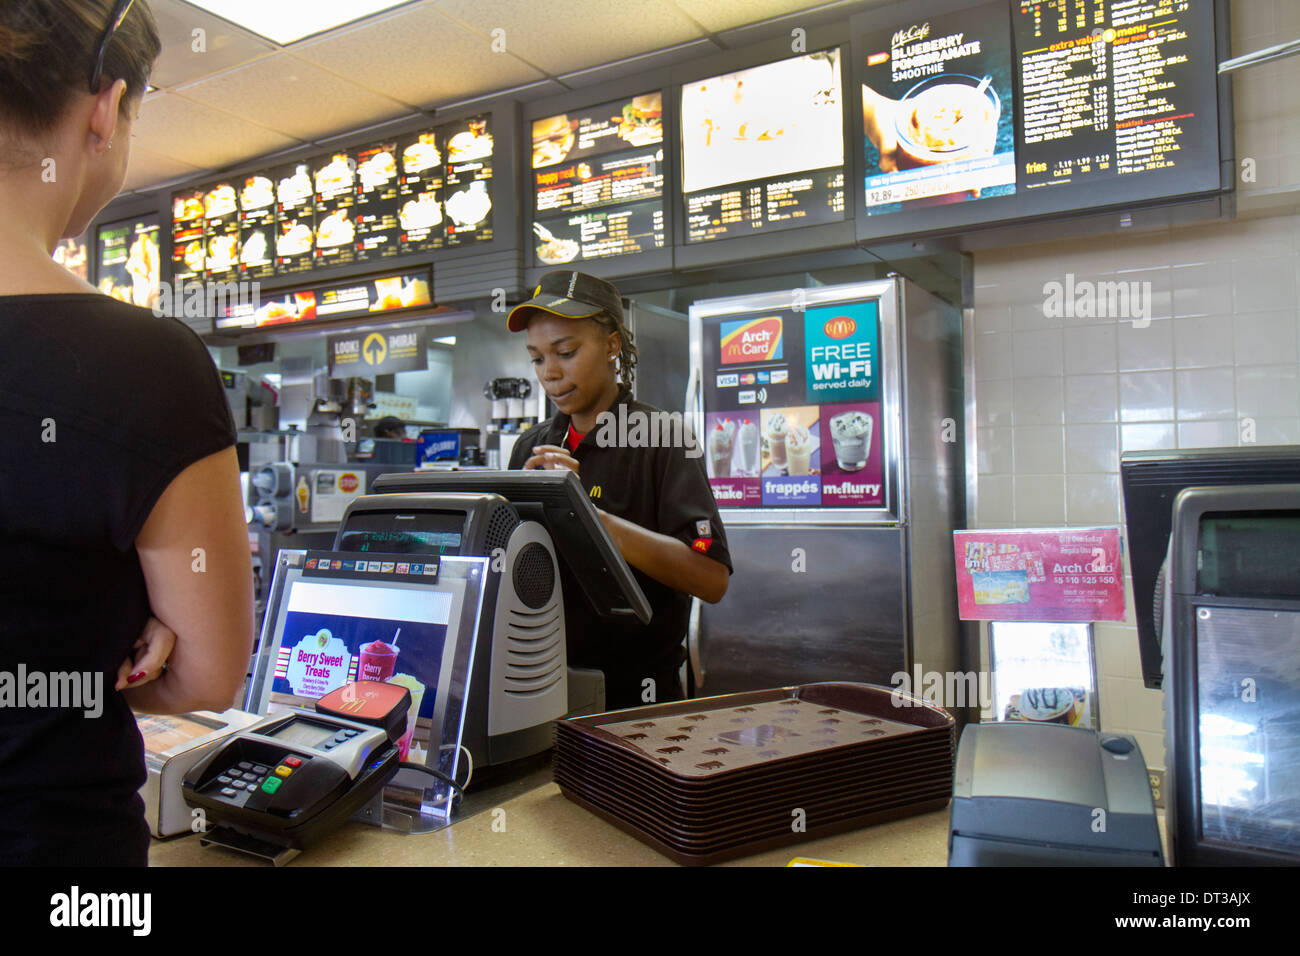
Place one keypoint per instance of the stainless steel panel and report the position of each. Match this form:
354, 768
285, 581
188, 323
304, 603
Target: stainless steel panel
663, 355
842, 618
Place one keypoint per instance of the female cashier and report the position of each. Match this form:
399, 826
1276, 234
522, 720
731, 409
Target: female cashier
656, 502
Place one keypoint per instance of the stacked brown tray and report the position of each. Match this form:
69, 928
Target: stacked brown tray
716, 778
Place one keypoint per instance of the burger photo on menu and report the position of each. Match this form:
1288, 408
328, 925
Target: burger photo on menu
336, 175
193, 256
219, 201
472, 143
552, 140
335, 230
377, 170
185, 208
294, 187
258, 193
295, 238
470, 206
256, 249
422, 154
221, 253
423, 212
642, 121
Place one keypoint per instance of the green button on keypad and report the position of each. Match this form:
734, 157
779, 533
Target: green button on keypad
271, 784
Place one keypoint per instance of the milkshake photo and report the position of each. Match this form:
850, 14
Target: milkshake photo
748, 448
851, 435
776, 429
721, 443
799, 449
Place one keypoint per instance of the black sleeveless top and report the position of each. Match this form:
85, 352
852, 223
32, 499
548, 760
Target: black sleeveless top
102, 404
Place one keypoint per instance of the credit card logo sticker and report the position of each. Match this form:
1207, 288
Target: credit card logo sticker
728, 381
751, 340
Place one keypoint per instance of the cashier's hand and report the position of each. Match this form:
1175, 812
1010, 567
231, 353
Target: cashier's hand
551, 457
152, 649
878, 115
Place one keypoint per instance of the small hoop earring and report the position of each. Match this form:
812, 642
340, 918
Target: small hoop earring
110, 144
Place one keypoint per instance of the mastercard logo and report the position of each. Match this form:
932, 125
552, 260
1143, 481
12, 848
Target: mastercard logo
840, 327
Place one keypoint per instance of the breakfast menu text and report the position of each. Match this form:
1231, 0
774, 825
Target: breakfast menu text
1109, 88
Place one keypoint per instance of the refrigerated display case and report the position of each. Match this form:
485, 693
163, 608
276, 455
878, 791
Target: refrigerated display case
831, 422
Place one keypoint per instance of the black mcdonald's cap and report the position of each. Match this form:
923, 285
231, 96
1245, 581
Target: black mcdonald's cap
573, 295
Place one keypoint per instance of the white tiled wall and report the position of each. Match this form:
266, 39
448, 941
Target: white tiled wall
1058, 399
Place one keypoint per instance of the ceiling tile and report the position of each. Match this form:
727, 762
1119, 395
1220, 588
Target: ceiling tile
585, 35
419, 57
223, 45
147, 168
196, 134
288, 94
719, 15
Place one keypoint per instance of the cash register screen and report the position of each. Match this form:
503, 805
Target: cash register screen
423, 532
303, 734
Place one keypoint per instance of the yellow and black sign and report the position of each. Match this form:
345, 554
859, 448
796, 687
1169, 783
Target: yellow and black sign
378, 353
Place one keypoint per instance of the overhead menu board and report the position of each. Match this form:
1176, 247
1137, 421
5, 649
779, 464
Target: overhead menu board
1111, 88
938, 111
368, 296
427, 191
128, 263
598, 181
763, 148
73, 256
1024, 108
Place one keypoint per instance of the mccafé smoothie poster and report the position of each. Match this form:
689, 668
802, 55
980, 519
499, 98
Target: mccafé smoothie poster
322, 652
937, 110
1058, 574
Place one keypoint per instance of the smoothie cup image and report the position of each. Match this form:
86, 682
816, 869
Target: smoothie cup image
378, 661
776, 429
851, 436
721, 443
749, 448
947, 117
798, 449
417, 695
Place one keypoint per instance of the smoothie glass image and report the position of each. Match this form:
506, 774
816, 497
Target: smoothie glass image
776, 429
721, 443
378, 660
947, 117
749, 448
851, 435
798, 450
417, 695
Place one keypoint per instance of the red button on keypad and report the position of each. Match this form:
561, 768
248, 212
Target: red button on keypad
292, 761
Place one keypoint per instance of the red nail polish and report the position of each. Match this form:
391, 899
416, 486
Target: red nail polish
135, 677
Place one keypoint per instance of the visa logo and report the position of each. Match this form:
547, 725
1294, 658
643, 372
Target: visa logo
728, 381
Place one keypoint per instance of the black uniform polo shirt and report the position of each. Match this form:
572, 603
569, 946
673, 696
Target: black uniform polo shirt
660, 489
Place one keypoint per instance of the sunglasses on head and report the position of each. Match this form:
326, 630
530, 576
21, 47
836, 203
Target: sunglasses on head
120, 10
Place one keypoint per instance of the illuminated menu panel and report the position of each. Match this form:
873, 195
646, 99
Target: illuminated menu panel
257, 232
763, 148
220, 232
362, 297
1110, 88
187, 235
598, 181
938, 110
73, 256
334, 180
295, 218
376, 205
128, 261
467, 180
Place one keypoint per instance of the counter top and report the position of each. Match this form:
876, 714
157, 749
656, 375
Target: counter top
542, 828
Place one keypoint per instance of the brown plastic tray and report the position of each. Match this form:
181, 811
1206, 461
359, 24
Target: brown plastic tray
782, 725
750, 847
741, 819
855, 772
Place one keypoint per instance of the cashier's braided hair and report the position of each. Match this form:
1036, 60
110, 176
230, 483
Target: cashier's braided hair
47, 56
625, 363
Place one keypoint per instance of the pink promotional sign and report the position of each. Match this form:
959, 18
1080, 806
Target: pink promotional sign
1059, 574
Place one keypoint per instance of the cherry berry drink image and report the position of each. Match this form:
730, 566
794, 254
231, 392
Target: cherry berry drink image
378, 659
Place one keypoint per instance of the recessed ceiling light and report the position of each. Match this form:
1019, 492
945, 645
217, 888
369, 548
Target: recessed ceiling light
286, 21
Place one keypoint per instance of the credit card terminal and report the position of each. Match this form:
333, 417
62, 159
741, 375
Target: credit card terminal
292, 776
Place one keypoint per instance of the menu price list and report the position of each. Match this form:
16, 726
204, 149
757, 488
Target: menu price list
800, 199
467, 180
376, 202
1109, 87
601, 233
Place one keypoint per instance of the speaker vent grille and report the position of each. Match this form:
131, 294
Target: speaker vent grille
534, 575
500, 526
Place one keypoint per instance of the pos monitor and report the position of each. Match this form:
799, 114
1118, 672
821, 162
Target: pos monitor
556, 500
